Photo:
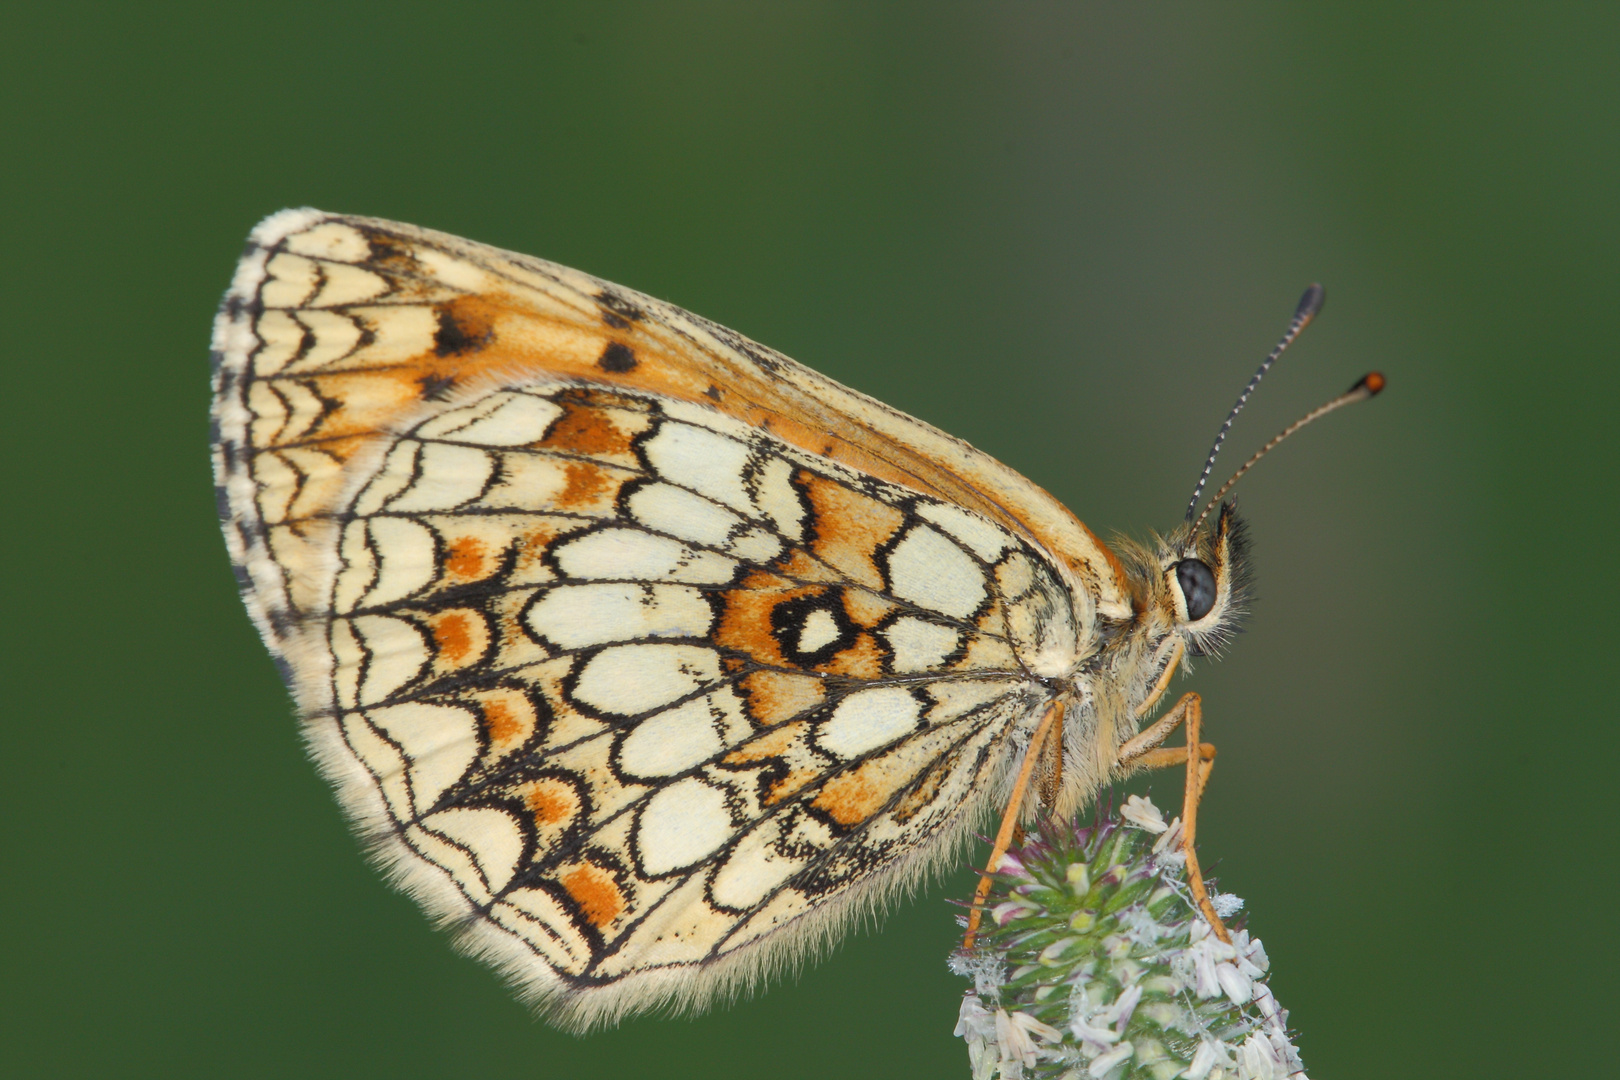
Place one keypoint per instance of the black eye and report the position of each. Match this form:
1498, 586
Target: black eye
1197, 586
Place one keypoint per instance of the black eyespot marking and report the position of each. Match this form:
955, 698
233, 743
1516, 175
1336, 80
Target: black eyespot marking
712, 393
617, 358
1197, 587
812, 629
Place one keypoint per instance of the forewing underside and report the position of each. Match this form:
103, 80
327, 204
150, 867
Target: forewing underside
357, 326
619, 683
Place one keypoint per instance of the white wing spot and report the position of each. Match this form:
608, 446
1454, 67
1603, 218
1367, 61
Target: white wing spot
705, 461
820, 630
497, 420
441, 742
631, 679
573, 616
346, 284
331, 240
292, 281
397, 650
683, 514
929, 570
681, 825
405, 559
389, 480
777, 498
447, 476
868, 720
490, 835
672, 741
640, 556
920, 645
753, 869
986, 540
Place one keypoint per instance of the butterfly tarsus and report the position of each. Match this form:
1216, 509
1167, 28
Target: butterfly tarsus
1144, 752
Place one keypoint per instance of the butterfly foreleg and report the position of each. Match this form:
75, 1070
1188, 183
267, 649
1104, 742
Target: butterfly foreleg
1144, 752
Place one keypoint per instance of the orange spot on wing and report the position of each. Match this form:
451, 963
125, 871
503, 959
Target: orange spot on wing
790, 785
583, 429
509, 717
532, 546
465, 558
855, 796
797, 564
862, 660
586, 484
864, 608
550, 801
595, 891
851, 798
918, 798
459, 635
499, 722
849, 527
774, 696
773, 744
745, 624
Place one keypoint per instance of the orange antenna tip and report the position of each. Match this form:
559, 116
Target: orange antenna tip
1372, 382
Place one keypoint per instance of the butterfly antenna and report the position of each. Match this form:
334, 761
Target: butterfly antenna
1368, 386
1309, 305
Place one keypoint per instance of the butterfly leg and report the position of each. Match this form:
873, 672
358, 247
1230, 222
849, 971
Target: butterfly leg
1144, 752
1009, 818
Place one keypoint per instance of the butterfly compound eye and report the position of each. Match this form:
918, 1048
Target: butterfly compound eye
1197, 587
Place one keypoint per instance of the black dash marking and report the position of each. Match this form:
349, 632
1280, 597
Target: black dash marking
436, 387
618, 308
617, 358
387, 251
456, 335
712, 393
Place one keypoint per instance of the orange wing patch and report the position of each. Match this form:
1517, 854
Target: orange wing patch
849, 527
595, 891
775, 696
598, 425
746, 625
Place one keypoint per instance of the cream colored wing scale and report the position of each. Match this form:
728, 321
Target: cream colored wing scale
642, 655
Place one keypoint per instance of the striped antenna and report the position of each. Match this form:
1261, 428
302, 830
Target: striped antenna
1309, 305
1369, 386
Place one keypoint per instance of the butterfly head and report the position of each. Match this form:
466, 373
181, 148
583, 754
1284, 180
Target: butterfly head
1203, 582
1190, 585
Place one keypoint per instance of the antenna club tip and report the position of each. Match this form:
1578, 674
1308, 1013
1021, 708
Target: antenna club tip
1372, 382
1311, 303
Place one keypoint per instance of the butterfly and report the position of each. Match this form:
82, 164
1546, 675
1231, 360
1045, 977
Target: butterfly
643, 657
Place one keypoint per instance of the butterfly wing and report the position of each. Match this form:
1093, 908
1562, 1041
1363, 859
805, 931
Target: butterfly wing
643, 655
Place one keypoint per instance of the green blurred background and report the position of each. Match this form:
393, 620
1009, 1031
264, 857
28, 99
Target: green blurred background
1065, 232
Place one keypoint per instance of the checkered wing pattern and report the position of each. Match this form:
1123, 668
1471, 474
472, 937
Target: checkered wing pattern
641, 656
